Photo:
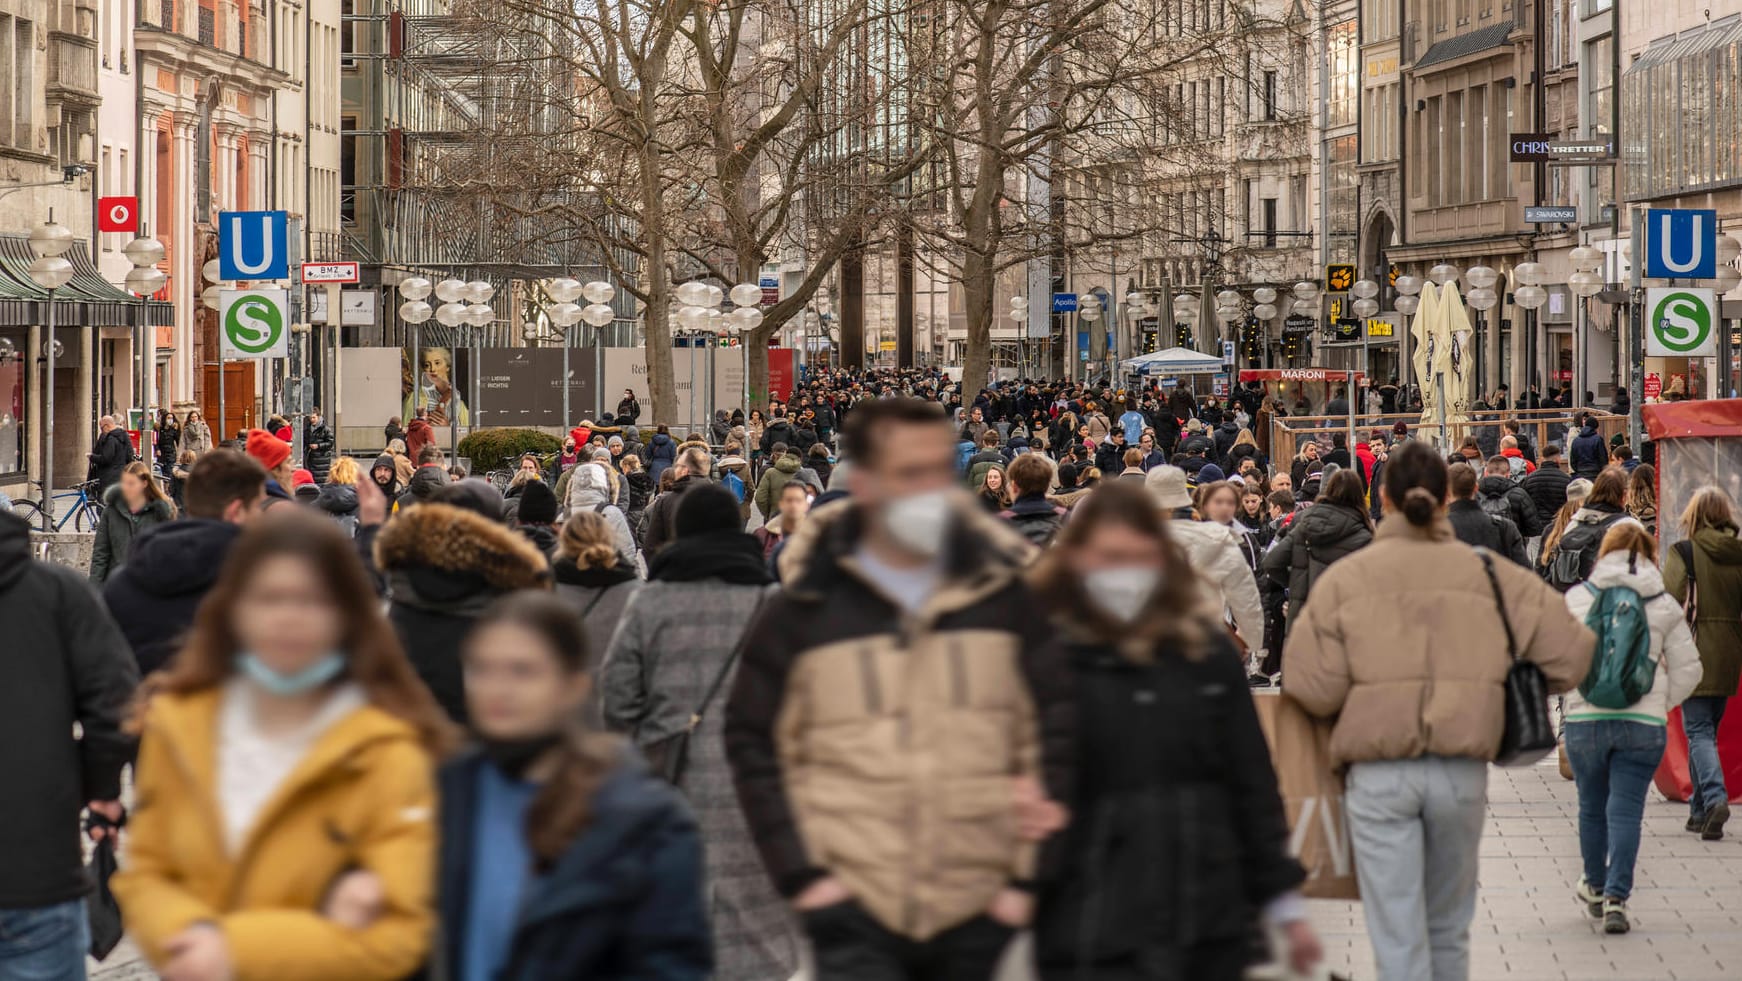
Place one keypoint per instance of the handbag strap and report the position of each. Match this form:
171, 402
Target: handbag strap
726, 666
1499, 602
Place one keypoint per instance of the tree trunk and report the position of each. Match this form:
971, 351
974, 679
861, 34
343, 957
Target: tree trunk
978, 280
656, 321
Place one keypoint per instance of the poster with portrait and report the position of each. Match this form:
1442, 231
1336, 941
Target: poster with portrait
438, 386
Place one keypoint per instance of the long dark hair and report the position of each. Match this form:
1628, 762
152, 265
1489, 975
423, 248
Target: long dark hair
1344, 489
1173, 614
564, 804
374, 659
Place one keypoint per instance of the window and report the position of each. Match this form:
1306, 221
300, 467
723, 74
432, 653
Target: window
1378, 20
1345, 75
208, 26
1267, 221
1268, 104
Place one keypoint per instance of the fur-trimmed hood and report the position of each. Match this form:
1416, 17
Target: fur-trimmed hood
451, 541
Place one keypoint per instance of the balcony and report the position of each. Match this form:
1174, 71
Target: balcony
72, 68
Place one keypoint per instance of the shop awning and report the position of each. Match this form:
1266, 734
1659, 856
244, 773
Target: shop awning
87, 300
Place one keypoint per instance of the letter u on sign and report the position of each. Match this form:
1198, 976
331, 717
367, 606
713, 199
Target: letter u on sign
1681, 243
253, 245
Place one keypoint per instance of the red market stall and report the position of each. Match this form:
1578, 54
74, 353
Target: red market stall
1699, 444
1312, 386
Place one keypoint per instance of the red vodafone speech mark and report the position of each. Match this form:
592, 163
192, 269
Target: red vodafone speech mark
117, 214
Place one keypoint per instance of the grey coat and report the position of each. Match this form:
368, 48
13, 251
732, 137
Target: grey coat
600, 609
669, 646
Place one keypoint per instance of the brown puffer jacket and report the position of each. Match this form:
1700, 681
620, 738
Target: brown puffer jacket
1403, 644
880, 747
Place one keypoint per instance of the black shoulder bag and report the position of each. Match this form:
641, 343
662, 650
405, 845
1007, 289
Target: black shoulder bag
668, 757
1685, 549
1529, 734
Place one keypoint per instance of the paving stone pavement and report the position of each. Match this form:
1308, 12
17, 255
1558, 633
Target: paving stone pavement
1686, 903
1687, 900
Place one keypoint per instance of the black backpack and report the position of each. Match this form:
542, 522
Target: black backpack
1575, 555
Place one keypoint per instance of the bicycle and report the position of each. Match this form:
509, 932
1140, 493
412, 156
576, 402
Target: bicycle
503, 475
84, 511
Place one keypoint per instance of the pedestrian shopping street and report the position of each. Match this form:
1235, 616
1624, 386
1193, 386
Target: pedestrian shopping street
1686, 905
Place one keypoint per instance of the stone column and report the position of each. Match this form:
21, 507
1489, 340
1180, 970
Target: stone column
186, 267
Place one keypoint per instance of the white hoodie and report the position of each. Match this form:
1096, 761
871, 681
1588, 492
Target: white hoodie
1672, 645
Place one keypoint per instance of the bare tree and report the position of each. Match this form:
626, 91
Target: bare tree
1012, 95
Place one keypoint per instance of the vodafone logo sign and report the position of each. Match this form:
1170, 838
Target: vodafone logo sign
119, 214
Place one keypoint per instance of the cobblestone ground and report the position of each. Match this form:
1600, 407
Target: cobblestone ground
1686, 903
1687, 900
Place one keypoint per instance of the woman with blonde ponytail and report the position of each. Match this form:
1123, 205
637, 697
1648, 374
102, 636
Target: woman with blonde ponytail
1406, 645
592, 578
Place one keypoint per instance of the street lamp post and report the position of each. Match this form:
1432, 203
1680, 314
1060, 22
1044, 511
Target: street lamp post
50, 271
1530, 296
143, 280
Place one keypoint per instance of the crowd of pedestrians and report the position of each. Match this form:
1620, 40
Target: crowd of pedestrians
863, 685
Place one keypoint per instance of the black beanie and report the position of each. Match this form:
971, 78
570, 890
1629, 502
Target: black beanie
705, 508
537, 504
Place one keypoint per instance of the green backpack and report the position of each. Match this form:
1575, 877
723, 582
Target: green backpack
1622, 669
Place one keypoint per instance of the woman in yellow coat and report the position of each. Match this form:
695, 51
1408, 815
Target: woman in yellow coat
283, 824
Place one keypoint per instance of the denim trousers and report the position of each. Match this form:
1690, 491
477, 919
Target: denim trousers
1613, 761
44, 943
1416, 826
1700, 717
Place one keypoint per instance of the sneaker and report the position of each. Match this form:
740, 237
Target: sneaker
1591, 898
1260, 680
1696, 823
1713, 829
1615, 916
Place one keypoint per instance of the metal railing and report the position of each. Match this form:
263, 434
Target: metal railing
1541, 426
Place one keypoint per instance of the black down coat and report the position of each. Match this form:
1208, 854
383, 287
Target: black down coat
1177, 837
443, 566
1316, 537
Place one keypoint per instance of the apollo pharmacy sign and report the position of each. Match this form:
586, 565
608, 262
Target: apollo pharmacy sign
1681, 323
254, 323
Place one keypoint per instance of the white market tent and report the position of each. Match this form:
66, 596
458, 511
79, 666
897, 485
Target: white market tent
1174, 361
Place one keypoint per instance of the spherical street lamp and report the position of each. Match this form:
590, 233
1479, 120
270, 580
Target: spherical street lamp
1443, 273
415, 288
51, 238
746, 295
451, 291
599, 291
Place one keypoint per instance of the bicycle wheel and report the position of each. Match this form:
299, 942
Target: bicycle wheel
29, 511
86, 515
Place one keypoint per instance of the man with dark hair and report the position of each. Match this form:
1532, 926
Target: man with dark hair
1474, 525
1504, 498
904, 608
171, 566
693, 466
65, 685
1547, 487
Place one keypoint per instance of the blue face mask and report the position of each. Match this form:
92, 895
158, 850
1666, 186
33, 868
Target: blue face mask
306, 680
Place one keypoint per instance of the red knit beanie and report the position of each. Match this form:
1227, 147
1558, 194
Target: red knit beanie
267, 448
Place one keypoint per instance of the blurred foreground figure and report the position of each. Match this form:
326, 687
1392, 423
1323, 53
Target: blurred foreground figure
1177, 842
284, 822
65, 661
888, 702
563, 859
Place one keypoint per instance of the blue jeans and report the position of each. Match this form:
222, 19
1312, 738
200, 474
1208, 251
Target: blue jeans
1700, 717
1613, 762
47, 943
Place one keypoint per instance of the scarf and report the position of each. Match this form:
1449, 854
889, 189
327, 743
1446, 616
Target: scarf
729, 556
597, 577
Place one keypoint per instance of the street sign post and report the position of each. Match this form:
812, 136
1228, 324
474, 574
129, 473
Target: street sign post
1681, 322
253, 245
254, 323
331, 272
1681, 243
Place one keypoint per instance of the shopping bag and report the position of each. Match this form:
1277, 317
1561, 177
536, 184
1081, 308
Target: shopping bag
1312, 795
101, 909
